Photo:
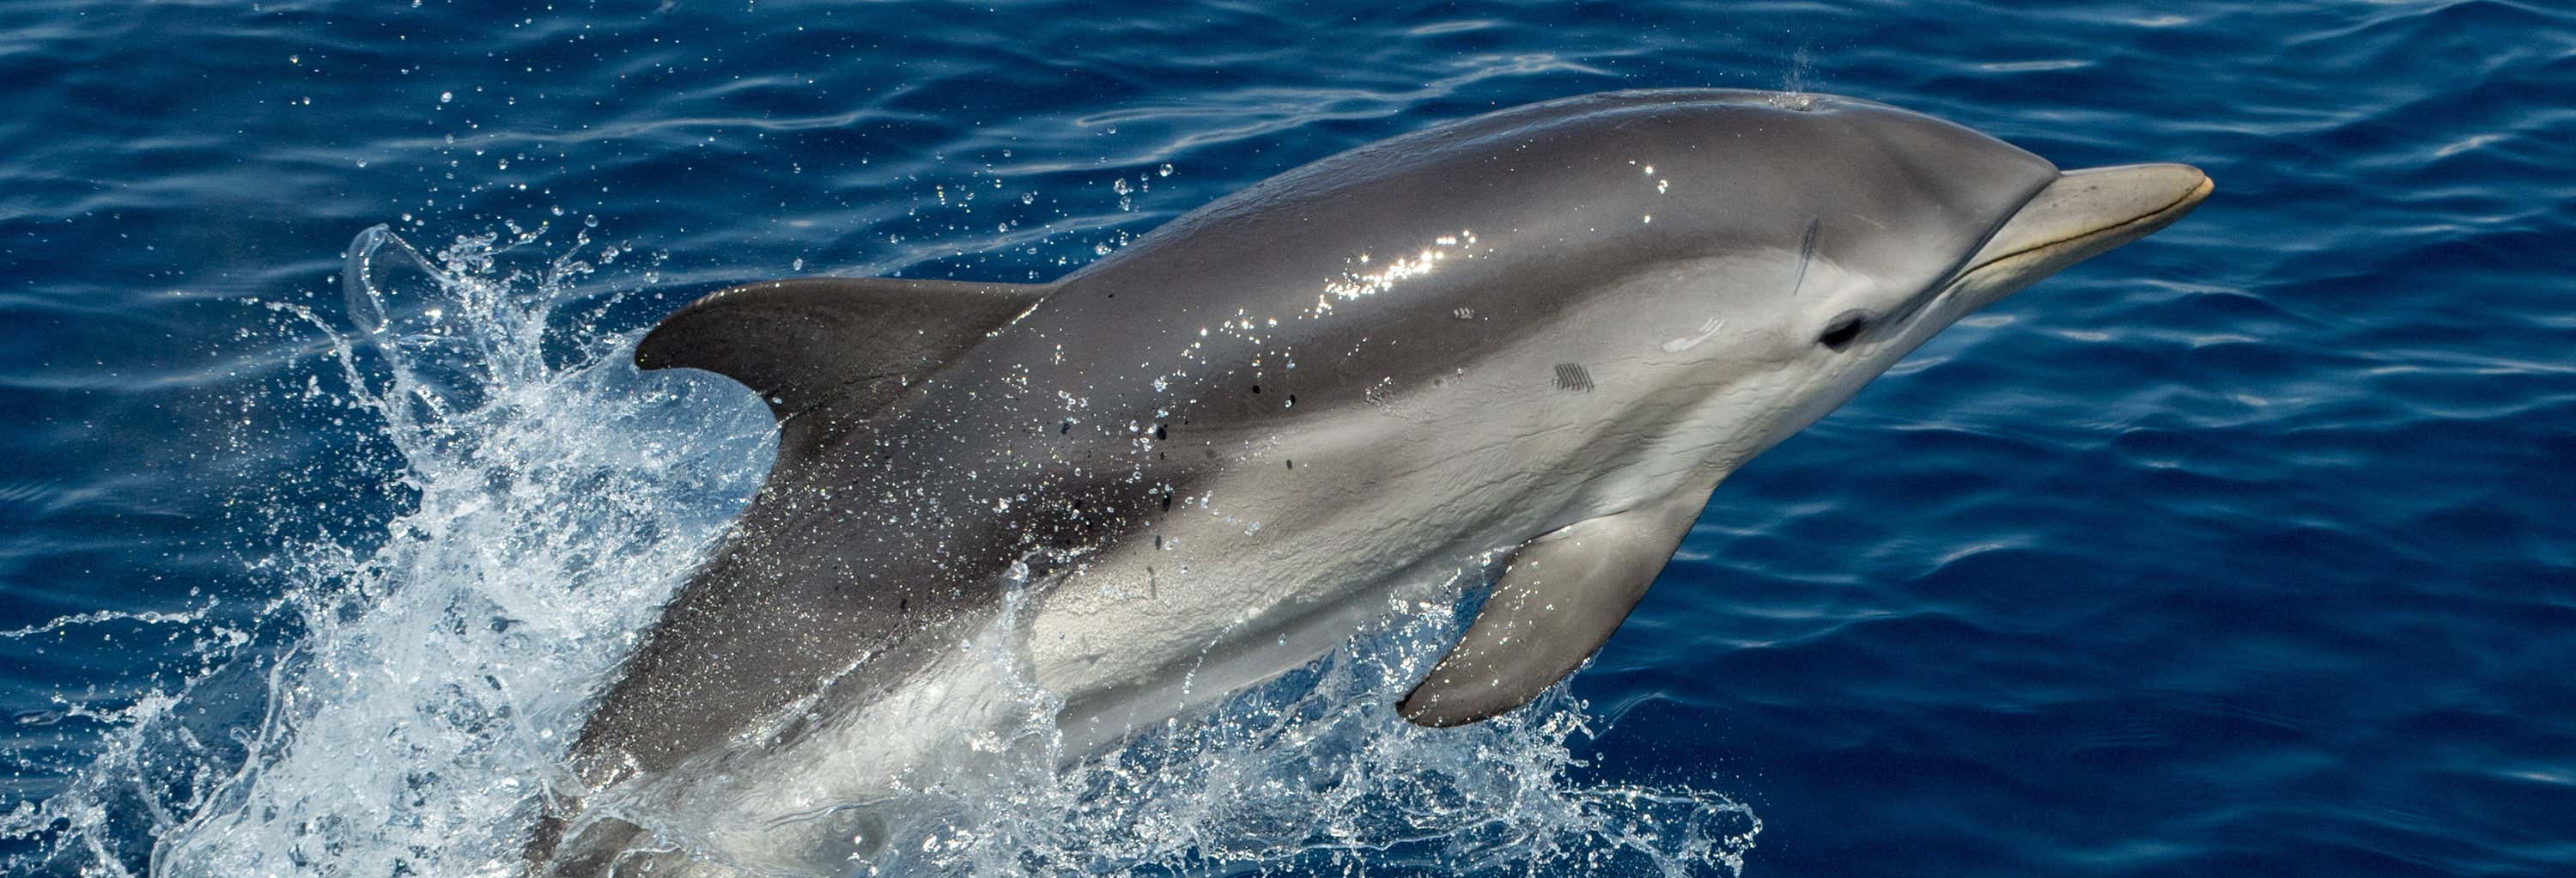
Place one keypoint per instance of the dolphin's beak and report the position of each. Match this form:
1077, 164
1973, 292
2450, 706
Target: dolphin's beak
2080, 214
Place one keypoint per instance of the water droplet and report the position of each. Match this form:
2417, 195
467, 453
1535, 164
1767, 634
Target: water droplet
446, 96
1166, 169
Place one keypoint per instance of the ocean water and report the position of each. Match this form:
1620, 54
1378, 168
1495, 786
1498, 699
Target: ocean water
327, 498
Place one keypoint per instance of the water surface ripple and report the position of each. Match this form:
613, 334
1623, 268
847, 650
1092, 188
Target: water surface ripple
2243, 550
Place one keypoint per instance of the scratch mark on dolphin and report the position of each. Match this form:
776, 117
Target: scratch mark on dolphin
1806, 254
1572, 376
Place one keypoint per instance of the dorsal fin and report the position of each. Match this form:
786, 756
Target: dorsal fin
828, 351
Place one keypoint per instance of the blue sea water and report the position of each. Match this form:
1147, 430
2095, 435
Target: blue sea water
2246, 549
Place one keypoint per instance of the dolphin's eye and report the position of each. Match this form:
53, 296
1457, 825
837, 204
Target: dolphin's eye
1839, 334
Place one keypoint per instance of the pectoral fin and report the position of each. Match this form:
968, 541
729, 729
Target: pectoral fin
1559, 597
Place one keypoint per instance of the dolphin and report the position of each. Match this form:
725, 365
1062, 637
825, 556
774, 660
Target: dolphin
1525, 345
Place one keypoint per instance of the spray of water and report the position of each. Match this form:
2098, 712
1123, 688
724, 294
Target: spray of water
1796, 84
405, 702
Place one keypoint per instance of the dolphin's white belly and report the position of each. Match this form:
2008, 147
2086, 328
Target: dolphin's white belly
1386, 506
1303, 541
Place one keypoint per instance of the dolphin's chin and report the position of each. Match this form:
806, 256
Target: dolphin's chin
2076, 217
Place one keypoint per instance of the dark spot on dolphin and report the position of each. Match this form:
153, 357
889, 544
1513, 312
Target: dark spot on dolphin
1068, 427
1256, 388
1292, 464
1167, 505
1573, 377
1158, 538
1158, 432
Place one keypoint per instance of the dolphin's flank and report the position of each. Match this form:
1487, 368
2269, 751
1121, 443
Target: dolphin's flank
1538, 337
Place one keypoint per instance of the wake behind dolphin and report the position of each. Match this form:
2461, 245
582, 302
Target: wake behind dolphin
1524, 346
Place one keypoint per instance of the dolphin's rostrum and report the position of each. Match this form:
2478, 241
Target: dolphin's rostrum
1540, 336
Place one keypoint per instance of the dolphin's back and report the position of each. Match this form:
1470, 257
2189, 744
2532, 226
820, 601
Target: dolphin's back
1357, 267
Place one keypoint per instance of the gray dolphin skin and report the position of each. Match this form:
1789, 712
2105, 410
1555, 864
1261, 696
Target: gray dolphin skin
1518, 349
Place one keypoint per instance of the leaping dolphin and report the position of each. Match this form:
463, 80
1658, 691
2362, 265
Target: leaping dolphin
1541, 336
